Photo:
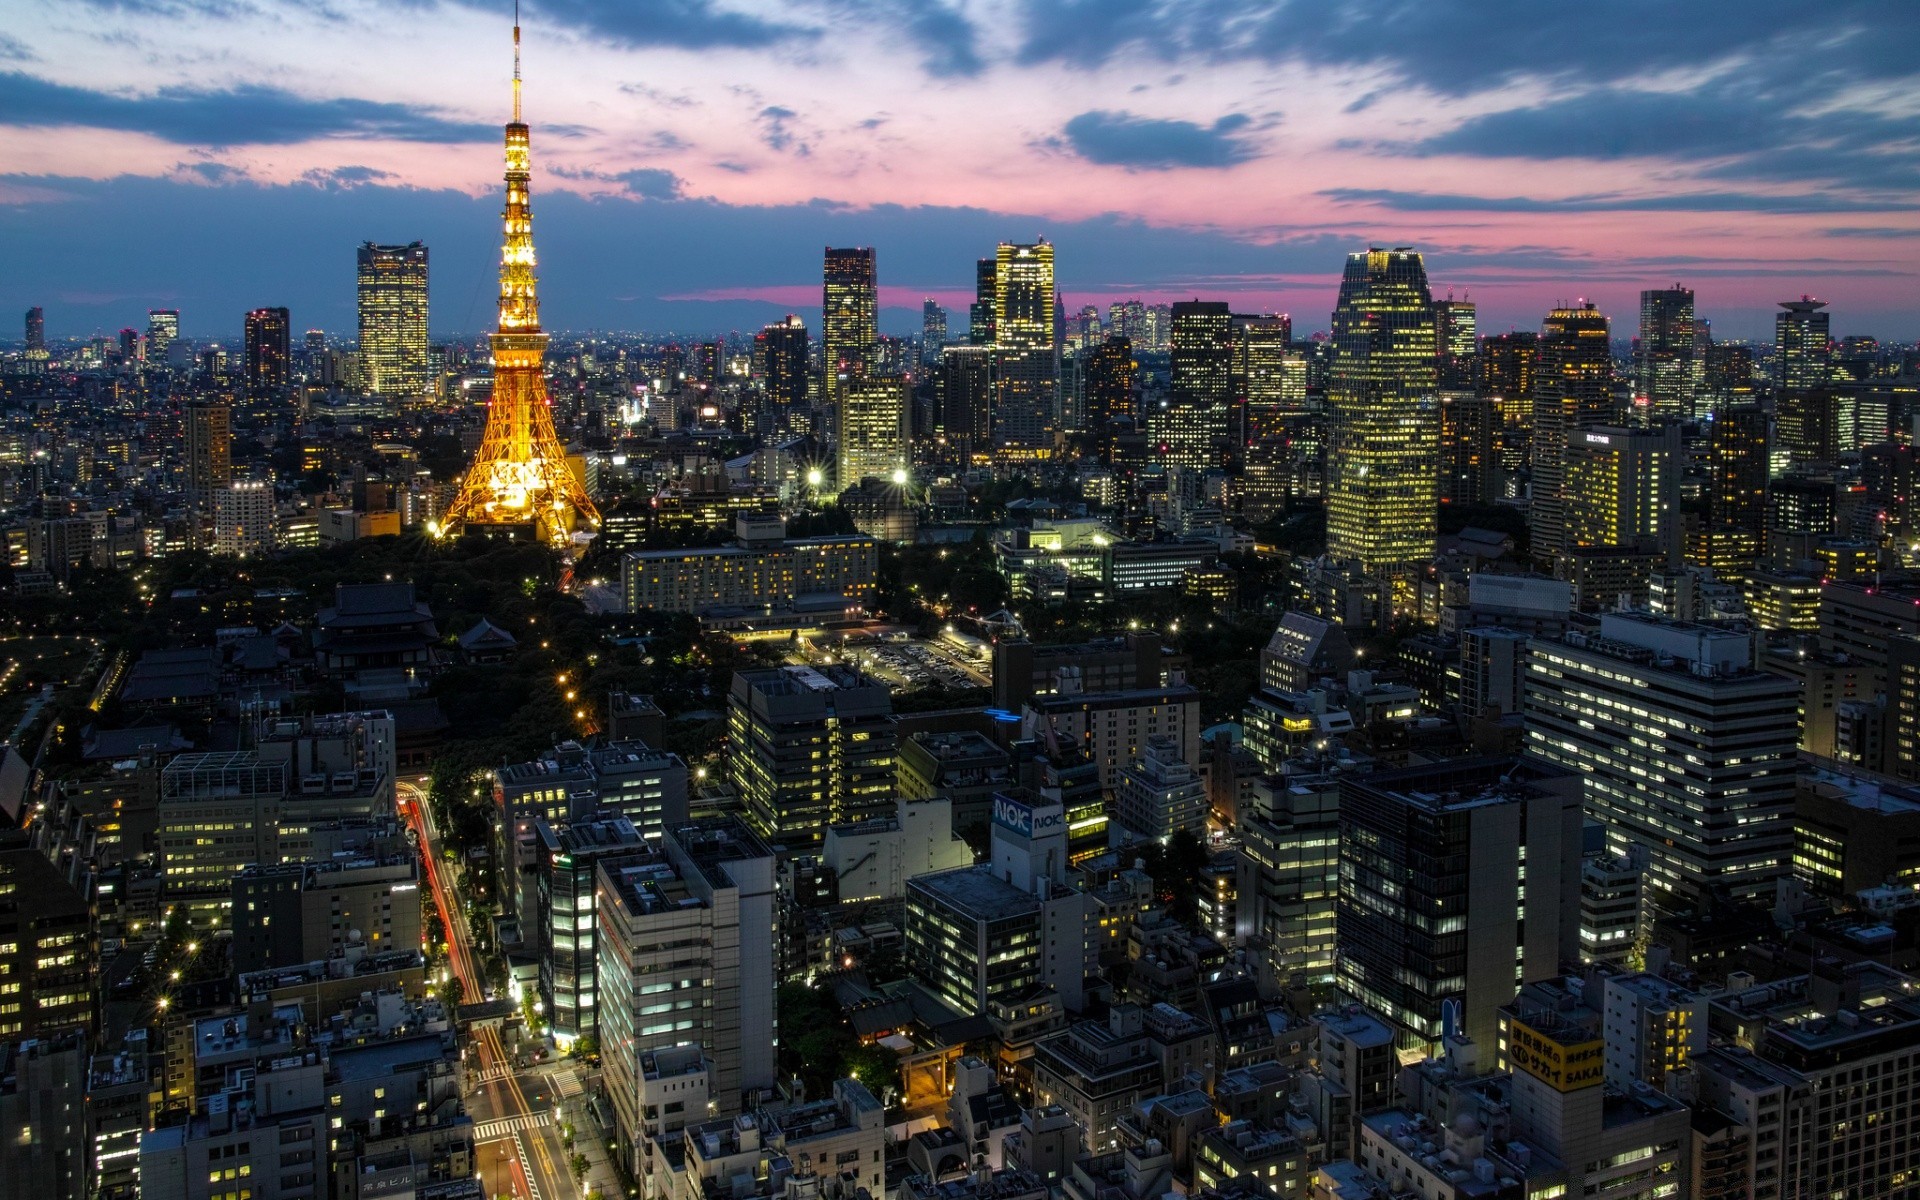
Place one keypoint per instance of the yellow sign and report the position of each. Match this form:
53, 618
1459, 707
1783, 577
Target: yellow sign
1565, 1066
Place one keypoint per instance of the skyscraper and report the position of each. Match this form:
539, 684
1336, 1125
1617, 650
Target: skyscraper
1383, 462
36, 329
850, 316
813, 747
933, 329
1572, 391
1195, 429
780, 362
1802, 346
520, 483
1505, 376
966, 399
1026, 357
269, 334
1275, 430
393, 318
1622, 488
980, 313
1470, 469
163, 326
873, 429
1456, 325
1107, 382
1737, 475
1665, 363
209, 460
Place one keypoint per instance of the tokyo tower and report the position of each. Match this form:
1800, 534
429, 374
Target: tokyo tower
520, 484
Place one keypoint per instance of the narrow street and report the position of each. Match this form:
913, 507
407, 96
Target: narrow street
517, 1145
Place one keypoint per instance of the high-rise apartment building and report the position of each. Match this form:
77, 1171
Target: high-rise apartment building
1459, 882
268, 351
1572, 392
1196, 427
163, 327
873, 429
1802, 344
1665, 363
1026, 360
1383, 453
1107, 383
980, 314
780, 362
1470, 468
933, 329
810, 748
1738, 471
243, 518
209, 460
966, 398
849, 318
1687, 751
1505, 376
36, 331
393, 319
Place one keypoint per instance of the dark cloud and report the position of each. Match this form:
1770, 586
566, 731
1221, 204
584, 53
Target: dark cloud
948, 42
1122, 139
341, 178
777, 130
14, 50
652, 183
1871, 231
241, 116
687, 24
1706, 202
1459, 47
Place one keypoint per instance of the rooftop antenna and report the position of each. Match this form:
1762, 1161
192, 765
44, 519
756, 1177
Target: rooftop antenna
516, 62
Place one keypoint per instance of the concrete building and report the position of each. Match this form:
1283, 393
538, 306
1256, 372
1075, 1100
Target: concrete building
1854, 832
219, 814
963, 768
1160, 794
285, 915
49, 954
1023, 670
1459, 882
43, 1098
763, 573
810, 748
565, 921
1709, 803
874, 859
686, 955
1112, 728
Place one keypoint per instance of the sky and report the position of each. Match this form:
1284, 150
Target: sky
692, 157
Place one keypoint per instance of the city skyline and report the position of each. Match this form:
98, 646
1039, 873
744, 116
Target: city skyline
1636, 159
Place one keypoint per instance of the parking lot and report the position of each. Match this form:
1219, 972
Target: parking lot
907, 663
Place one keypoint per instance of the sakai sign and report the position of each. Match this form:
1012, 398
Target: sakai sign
1026, 820
1564, 1066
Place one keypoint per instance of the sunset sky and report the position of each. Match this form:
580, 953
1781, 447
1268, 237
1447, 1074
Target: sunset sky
692, 157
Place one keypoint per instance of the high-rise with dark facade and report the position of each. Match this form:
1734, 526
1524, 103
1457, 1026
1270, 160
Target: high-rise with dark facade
1572, 391
966, 399
269, 351
1456, 328
933, 329
780, 362
850, 317
980, 313
1737, 478
36, 329
1665, 366
1802, 344
1383, 455
209, 459
1026, 360
1195, 428
393, 318
1107, 382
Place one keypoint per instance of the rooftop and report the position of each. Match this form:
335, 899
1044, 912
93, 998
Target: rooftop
977, 892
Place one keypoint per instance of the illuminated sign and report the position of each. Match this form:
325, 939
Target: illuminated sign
1563, 1066
1026, 820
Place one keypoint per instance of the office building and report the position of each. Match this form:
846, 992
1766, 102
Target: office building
1506, 367
810, 748
1855, 833
287, 915
1612, 909
565, 921
980, 314
966, 399
1737, 476
872, 430
873, 859
244, 518
1383, 453
1106, 375
1802, 344
763, 573
1622, 488
268, 348
933, 329
219, 814
43, 1101
163, 329
1572, 392
1811, 1085
1459, 882
1196, 428
1865, 621
1026, 360
1111, 728
1666, 364
1709, 802
1160, 794
1456, 326
48, 954
393, 320
685, 957
1287, 876
850, 319
209, 460
1469, 465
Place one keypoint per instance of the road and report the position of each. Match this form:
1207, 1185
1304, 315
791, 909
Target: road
516, 1127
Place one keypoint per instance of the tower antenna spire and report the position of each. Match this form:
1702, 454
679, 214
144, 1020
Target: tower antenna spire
516, 62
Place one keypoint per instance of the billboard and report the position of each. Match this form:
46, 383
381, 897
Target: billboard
1564, 1066
1028, 820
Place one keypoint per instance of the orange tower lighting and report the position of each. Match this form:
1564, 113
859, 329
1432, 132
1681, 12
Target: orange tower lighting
520, 483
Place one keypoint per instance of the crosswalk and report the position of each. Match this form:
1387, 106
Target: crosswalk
492, 1074
487, 1131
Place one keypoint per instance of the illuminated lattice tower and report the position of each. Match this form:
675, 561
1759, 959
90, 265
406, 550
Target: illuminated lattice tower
520, 483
